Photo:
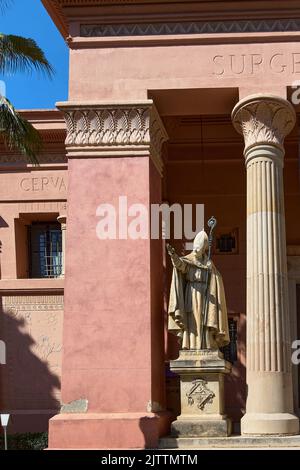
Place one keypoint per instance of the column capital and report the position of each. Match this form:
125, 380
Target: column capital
112, 129
62, 219
263, 120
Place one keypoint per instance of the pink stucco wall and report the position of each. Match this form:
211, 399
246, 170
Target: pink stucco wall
102, 309
113, 321
117, 73
31, 310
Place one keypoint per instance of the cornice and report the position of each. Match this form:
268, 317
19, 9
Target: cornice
54, 9
28, 286
52, 127
44, 119
65, 13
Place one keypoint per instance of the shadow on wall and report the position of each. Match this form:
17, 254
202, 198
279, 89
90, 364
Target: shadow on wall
235, 383
29, 389
3, 223
149, 428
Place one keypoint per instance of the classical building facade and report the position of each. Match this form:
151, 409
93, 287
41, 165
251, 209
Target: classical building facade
32, 286
190, 102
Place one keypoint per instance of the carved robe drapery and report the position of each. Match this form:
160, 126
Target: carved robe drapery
187, 296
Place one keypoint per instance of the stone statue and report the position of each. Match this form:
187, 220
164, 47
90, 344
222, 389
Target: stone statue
197, 306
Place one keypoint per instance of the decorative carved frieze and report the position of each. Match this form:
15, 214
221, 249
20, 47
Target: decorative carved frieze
44, 206
10, 157
190, 27
264, 120
33, 303
114, 128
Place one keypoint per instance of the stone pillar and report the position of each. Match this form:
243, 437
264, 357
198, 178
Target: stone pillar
113, 356
62, 219
264, 122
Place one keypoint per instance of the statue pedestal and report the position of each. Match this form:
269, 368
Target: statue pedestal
201, 393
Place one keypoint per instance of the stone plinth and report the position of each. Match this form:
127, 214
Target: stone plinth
202, 394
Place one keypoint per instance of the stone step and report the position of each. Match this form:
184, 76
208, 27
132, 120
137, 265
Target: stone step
230, 442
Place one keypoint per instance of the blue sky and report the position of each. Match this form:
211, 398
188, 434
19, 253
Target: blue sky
28, 18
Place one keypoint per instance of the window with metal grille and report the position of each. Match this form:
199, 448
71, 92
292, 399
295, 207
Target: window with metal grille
45, 250
226, 243
230, 351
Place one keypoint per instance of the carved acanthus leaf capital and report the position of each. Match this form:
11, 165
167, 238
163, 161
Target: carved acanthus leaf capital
114, 128
263, 120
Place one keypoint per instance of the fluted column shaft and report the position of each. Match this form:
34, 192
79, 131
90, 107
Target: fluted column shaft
264, 122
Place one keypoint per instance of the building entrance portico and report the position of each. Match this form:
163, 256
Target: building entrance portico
199, 116
188, 157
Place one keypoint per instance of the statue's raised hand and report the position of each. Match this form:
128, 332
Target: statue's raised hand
170, 250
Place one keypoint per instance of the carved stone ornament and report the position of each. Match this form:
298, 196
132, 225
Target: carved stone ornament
263, 120
200, 394
114, 128
14, 157
190, 27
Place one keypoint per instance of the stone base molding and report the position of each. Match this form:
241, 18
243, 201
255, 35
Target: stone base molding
95, 430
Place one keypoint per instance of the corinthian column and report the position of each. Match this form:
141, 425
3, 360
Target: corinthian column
264, 122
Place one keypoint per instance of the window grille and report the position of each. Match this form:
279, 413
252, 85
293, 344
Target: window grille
45, 250
230, 351
227, 243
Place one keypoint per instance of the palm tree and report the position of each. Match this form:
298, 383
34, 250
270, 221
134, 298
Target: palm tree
20, 54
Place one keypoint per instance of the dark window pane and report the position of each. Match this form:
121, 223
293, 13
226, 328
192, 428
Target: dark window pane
45, 250
226, 243
230, 351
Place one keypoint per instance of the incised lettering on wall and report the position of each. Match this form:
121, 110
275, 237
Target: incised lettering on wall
43, 183
251, 64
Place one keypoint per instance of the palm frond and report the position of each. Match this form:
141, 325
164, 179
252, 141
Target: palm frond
22, 54
17, 133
